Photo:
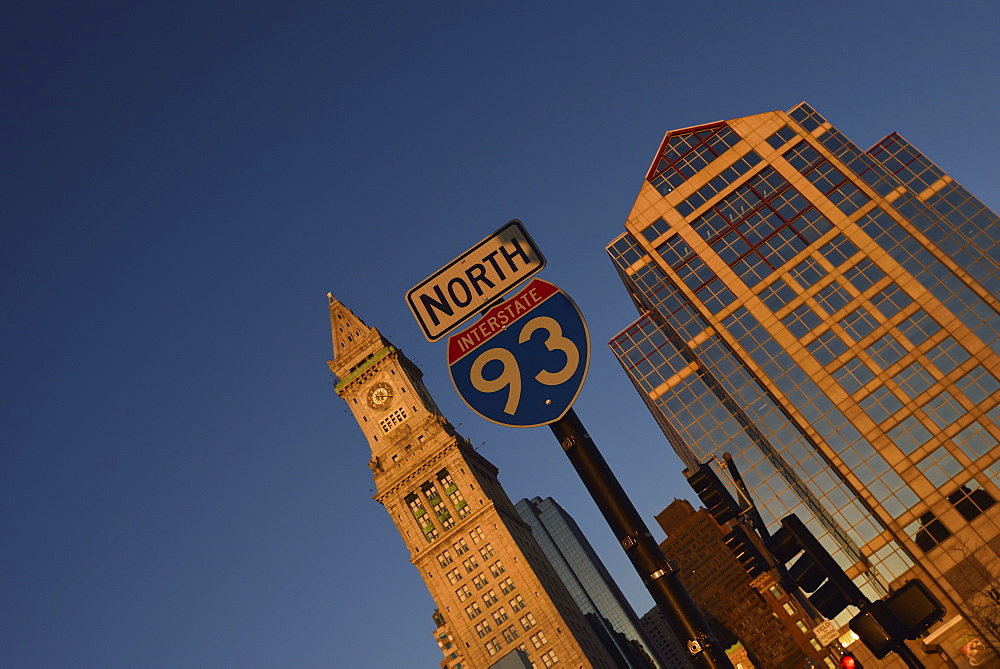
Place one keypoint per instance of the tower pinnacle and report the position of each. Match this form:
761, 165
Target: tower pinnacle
350, 337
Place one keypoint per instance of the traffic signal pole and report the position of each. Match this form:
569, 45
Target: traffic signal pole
659, 577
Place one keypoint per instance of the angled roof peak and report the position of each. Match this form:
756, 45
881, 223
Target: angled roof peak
349, 332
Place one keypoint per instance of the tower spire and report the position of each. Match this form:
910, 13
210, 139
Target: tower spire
350, 336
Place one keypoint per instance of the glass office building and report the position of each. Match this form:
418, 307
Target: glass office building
830, 317
592, 588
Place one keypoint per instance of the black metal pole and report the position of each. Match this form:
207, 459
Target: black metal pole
659, 577
908, 656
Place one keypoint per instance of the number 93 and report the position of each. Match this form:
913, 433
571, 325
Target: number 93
510, 373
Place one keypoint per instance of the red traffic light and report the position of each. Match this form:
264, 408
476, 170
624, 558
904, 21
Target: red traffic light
849, 662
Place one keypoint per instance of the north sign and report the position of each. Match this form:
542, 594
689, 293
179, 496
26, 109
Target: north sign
471, 282
524, 362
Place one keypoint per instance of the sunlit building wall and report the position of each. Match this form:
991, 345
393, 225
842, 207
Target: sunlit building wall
830, 317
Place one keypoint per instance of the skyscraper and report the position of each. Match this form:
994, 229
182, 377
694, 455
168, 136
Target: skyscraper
589, 582
495, 590
829, 316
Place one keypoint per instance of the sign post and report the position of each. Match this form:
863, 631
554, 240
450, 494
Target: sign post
523, 365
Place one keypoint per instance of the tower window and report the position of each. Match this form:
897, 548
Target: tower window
393, 419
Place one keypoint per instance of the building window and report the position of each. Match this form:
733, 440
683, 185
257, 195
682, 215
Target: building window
971, 500
975, 441
487, 551
853, 375
483, 628
944, 409
460, 546
422, 517
909, 435
463, 593
801, 321
490, 598
827, 347
473, 610
444, 559
538, 640
918, 327
789, 609
393, 419
493, 646
738, 168
891, 300
549, 658
454, 576
978, 384
947, 355
480, 582
881, 404
517, 604
687, 153
778, 139
886, 351
927, 532
527, 621
497, 568
470, 564
833, 298
506, 585
658, 227
510, 634
451, 490
838, 250
440, 508
914, 380
858, 324
477, 535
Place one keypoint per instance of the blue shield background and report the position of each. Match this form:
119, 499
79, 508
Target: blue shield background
539, 404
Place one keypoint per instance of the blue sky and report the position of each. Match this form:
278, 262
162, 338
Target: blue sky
184, 183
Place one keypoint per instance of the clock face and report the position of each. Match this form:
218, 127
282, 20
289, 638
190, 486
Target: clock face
380, 395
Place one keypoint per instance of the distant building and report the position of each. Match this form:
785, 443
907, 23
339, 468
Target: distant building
662, 636
495, 590
590, 584
772, 628
831, 317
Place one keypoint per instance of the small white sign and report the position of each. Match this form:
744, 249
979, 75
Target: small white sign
474, 280
826, 632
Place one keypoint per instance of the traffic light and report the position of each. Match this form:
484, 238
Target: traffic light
905, 614
713, 494
878, 629
848, 661
746, 551
815, 572
916, 608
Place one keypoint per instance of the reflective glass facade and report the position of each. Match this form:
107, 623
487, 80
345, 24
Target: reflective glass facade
830, 317
589, 582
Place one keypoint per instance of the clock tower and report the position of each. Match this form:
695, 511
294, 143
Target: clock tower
495, 590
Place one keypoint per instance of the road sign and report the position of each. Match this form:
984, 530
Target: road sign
523, 363
826, 633
475, 279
